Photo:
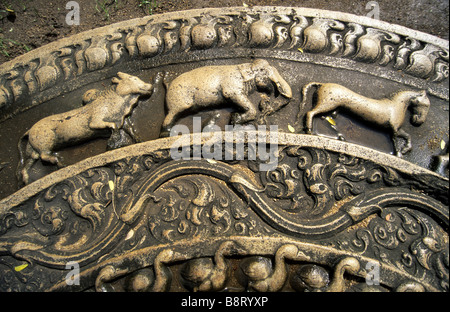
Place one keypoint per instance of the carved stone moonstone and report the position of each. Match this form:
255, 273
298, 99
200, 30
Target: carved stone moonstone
350, 113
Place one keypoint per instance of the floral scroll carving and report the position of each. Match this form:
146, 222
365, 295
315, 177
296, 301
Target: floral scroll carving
104, 217
133, 218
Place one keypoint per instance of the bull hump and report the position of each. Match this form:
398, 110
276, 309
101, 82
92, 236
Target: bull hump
109, 99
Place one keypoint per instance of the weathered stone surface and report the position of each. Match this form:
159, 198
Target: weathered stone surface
357, 171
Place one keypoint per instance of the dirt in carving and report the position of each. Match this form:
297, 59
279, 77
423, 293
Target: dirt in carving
29, 24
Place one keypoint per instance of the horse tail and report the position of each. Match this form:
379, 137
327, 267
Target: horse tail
305, 92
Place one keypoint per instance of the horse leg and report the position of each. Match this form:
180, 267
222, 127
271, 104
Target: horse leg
407, 137
408, 146
319, 109
244, 103
309, 121
128, 128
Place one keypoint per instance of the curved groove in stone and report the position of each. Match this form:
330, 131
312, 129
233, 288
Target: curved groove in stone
300, 140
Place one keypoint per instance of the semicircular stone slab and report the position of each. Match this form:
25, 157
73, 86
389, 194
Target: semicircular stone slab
244, 149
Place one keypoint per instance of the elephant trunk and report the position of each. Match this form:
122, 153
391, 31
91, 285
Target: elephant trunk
282, 86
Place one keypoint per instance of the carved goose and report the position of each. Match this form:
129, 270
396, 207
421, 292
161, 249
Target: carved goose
163, 276
350, 265
276, 280
144, 279
207, 276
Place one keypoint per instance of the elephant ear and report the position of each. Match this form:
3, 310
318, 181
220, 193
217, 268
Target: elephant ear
246, 72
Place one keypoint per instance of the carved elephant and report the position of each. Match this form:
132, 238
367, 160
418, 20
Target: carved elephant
211, 86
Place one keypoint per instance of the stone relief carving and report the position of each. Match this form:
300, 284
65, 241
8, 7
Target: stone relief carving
316, 38
86, 216
134, 219
314, 35
211, 86
106, 110
386, 113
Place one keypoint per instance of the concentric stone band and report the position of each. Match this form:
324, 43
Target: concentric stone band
45, 67
355, 202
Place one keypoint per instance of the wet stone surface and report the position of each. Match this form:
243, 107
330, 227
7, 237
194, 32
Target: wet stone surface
359, 174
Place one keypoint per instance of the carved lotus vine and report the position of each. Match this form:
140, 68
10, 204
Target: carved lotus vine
108, 214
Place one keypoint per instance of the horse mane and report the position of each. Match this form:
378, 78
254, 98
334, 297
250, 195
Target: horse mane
410, 95
109, 92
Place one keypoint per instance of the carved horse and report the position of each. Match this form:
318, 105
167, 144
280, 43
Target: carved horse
387, 113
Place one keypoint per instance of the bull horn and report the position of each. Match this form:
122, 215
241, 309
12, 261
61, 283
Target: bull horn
122, 75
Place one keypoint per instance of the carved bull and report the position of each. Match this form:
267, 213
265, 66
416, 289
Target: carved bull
210, 86
102, 111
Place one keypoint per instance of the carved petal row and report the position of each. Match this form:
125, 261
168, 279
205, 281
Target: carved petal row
129, 201
296, 30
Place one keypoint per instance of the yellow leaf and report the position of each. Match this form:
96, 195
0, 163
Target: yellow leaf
211, 161
292, 129
20, 267
130, 234
331, 120
245, 5
300, 50
442, 144
111, 185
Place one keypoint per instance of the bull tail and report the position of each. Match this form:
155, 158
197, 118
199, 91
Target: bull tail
306, 90
27, 157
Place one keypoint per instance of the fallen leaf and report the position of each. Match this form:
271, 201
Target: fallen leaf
245, 5
292, 129
442, 144
130, 234
331, 120
300, 50
20, 267
211, 161
111, 185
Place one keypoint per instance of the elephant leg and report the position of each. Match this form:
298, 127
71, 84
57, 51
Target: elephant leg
169, 120
243, 102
